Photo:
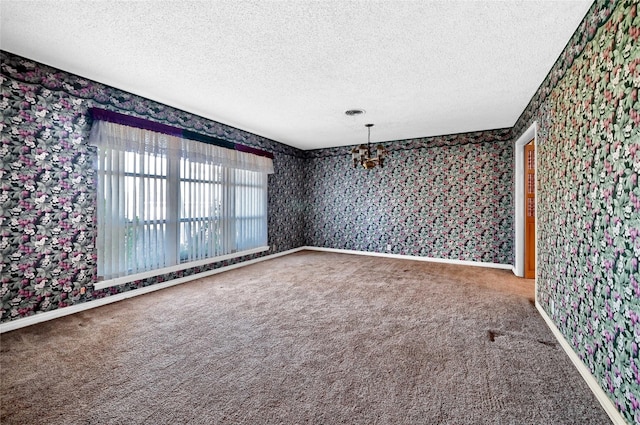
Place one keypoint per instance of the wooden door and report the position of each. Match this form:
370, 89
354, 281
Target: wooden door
530, 211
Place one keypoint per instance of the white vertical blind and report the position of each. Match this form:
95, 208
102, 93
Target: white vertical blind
132, 213
165, 201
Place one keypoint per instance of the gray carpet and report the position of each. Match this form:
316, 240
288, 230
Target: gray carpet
311, 337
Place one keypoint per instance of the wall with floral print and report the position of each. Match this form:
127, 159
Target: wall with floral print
589, 197
48, 188
444, 197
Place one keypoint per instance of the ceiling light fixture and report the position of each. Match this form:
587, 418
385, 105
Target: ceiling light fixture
362, 154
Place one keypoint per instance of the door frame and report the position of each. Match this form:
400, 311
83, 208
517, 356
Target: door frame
518, 198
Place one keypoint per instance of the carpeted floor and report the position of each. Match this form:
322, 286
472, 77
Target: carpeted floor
311, 337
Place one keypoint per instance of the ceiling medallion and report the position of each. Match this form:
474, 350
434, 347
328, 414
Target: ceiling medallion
362, 154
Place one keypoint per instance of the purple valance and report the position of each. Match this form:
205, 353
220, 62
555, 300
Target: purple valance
122, 119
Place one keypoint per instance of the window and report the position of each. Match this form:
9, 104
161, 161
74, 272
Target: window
166, 203
222, 210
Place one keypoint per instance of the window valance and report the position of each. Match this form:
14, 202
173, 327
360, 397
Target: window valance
132, 134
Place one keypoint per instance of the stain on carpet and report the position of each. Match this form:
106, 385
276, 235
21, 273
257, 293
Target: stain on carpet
493, 334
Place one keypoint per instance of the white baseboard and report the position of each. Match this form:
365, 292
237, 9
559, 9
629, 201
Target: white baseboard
65, 311
413, 257
596, 389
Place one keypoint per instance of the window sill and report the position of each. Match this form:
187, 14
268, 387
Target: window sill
139, 276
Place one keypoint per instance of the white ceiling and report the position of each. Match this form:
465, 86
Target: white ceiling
288, 70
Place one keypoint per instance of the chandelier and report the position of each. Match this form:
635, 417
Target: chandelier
362, 154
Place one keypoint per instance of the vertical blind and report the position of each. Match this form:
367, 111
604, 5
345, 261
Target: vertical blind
165, 200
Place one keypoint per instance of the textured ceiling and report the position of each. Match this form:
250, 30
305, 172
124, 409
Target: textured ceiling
288, 70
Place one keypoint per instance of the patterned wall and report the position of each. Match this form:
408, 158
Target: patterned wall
48, 192
445, 197
286, 210
589, 197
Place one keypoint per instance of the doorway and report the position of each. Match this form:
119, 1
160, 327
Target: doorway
530, 210
519, 197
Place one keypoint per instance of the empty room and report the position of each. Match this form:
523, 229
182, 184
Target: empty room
286, 212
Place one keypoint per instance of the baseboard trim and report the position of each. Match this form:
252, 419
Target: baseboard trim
595, 388
413, 257
65, 311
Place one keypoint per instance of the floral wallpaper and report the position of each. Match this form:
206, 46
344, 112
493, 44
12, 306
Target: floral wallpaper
589, 197
286, 211
48, 188
444, 197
